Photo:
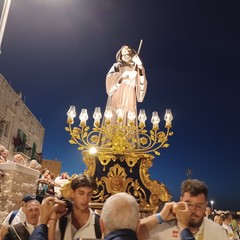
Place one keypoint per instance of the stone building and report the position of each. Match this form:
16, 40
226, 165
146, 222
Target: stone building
20, 130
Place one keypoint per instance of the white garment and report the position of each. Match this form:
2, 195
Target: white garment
170, 231
229, 231
60, 182
71, 233
29, 227
20, 217
125, 92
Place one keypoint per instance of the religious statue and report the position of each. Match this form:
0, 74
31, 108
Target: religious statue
126, 84
117, 149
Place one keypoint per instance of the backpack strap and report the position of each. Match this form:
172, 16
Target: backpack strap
13, 215
62, 226
97, 226
63, 220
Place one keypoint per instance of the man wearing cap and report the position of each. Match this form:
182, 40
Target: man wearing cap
23, 230
16, 216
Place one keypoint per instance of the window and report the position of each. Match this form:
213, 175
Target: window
33, 156
20, 141
6, 129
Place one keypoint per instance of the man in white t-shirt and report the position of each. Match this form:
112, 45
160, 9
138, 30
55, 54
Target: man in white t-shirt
81, 221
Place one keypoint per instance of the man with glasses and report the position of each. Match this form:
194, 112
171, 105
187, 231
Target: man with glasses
165, 225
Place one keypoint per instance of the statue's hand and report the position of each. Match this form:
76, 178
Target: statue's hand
129, 74
126, 74
137, 60
126, 81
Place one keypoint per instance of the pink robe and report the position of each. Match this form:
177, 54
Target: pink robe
125, 95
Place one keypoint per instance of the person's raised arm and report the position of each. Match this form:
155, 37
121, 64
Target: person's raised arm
51, 208
48, 207
60, 207
46, 210
183, 215
148, 223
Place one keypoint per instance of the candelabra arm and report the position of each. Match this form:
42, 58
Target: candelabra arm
119, 139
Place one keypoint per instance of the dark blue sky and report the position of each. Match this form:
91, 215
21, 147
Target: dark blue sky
57, 53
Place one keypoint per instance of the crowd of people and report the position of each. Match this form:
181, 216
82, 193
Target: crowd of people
48, 184
226, 220
4, 154
64, 219
17, 158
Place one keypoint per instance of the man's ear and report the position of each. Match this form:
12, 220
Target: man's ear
71, 194
24, 207
180, 198
102, 226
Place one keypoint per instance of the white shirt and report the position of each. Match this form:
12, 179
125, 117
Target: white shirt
29, 227
229, 231
87, 231
170, 231
60, 182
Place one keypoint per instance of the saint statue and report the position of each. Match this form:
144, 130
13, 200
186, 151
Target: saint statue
126, 85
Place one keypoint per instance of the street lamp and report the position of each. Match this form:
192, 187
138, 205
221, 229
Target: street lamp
3, 19
212, 202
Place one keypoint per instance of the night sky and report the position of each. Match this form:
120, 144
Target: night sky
58, 52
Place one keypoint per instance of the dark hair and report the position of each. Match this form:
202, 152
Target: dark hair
44, 170
83, 180
194, 187
225, 216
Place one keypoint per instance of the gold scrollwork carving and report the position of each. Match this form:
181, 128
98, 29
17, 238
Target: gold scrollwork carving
159, 192
105, 159
90, 162
131, 161
116, 180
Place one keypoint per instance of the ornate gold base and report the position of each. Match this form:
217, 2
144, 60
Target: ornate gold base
125, 173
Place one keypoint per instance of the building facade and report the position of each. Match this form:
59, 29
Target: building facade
20, 130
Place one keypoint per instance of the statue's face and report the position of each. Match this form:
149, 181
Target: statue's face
126, 54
